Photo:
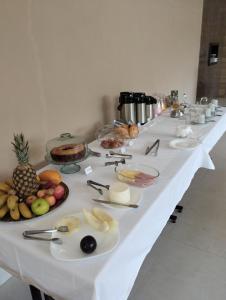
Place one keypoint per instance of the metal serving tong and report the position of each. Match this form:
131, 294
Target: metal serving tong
116, 162
28, 234
54, 240
92, 184
153, 148
51, 230
113, 154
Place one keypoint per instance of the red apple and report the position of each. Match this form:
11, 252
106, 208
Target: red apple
30, 199
51, 200
58, 192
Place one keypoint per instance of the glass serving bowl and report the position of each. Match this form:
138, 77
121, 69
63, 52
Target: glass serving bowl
137, 174
67, 150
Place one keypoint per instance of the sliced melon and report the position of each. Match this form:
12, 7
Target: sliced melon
94, 222
103, 216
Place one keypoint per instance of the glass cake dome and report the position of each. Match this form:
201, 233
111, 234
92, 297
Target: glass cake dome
67, 150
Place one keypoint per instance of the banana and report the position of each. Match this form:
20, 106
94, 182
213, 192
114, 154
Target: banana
3, 211
4, 187
95, 222
9, 182
25, 211
12, 192
12, 201
14, 213
3, 199
104, 217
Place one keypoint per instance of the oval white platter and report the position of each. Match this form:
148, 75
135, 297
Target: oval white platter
70, 249
186, 143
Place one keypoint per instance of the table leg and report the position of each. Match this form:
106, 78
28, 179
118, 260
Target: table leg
35, 293
173, 219
179, 208
48, 297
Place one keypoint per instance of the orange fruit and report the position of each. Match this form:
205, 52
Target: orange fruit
50, 175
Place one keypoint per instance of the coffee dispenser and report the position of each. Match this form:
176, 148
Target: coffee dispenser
127, 107
139, 99
150, 101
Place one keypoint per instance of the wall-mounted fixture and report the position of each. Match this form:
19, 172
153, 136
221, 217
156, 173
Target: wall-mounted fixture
213, 53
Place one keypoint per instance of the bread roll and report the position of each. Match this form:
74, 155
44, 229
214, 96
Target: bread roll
122, 132
133, 131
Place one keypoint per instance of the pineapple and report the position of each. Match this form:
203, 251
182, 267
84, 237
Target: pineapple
24, 175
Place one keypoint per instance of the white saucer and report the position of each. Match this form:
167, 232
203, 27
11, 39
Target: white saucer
70, 249
186, 143
135, 197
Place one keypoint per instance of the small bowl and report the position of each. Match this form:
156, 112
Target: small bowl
137, 175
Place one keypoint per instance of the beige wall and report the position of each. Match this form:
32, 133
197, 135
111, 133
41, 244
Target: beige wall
59, 60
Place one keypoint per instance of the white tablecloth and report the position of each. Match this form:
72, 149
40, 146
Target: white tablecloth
111, 276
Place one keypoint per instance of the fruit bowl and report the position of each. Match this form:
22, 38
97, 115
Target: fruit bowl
137, 174
58, 203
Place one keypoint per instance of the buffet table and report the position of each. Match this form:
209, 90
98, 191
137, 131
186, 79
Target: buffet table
111, 276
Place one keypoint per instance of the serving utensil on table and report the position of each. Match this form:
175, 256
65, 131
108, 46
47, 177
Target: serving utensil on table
54, 240
94, 187
116, 162
106, 186
51, 230
150, 148
157, 148
28, 234
113, 154
116, 203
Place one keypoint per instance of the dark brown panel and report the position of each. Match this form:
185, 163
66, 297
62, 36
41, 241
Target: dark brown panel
212, 78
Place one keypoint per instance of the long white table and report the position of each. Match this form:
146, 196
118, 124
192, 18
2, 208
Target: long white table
111, 276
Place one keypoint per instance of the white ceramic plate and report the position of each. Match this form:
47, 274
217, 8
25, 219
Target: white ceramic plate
135, 197
187, 143
70, 249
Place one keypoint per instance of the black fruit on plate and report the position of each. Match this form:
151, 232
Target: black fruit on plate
88, 244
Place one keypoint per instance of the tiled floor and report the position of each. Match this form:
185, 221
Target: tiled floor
189, 259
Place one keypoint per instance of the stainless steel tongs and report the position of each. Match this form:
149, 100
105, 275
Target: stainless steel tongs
115, 163
153, 149
51, 230
28, 234
113, 154
93, 185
